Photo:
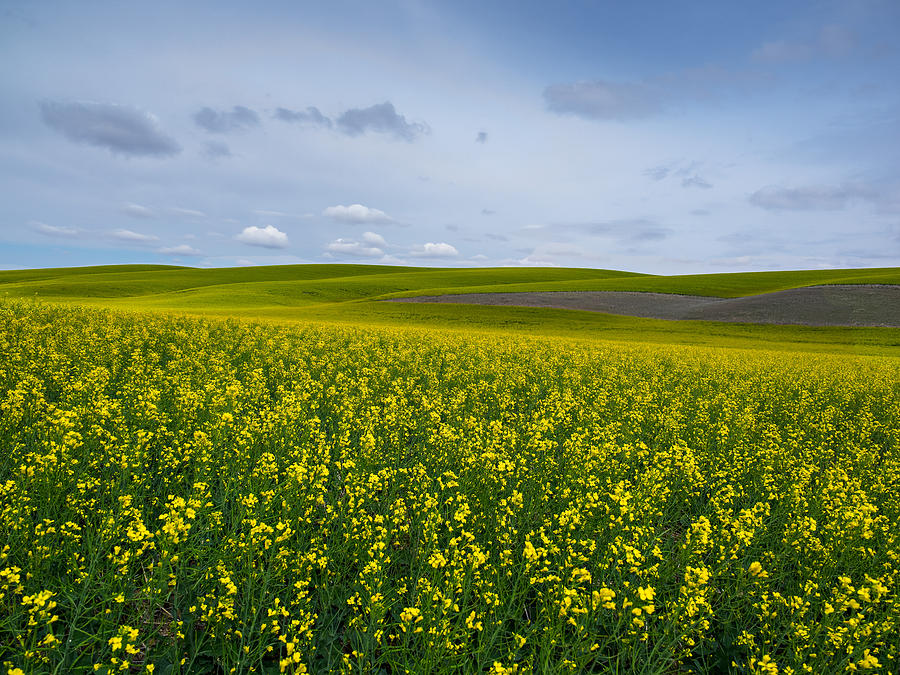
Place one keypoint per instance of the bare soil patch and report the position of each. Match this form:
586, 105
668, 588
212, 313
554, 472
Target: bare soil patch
847, 305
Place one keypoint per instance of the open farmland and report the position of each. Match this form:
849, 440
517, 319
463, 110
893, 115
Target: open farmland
185, 495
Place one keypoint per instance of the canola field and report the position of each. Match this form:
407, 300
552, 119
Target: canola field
183, 495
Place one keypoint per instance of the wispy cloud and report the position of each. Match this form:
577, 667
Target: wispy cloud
216, 150
181, 249
604, 100
54, 230
133, 237
810, 197
192, 214
832, 40
138, 211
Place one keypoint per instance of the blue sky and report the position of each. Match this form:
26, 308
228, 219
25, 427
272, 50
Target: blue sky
648, 136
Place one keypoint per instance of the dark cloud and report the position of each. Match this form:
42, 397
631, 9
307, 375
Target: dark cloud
700, 212
487, 212
496, 237
311, 115
695, 181
380, 118
604, 100
121, 129
216, 150
238, 118
481, 137
810, 198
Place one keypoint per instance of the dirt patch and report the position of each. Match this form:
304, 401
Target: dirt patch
849, 305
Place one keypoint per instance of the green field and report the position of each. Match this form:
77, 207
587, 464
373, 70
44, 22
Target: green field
268, 470
350, 294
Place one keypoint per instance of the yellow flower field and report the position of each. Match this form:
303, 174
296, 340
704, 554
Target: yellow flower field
189, 496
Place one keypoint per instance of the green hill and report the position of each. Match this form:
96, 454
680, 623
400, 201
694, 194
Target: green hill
350, 294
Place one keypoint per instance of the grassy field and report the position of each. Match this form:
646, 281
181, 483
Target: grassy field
189, 495
350, 294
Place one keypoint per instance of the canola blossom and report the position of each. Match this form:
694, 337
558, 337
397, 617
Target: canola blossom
200, 496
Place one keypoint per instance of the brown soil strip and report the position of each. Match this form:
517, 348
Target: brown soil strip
848, 305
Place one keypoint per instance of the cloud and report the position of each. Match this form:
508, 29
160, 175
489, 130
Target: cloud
810, 198
832, 41
380, 118
187, 213
603, 100
695, 181
431, 250
134, 237
356, 213
181, 249
267, 237
311, 115
374, 239
354, 249
487, 212
216, 150
481, 137
657, 173
781, 51
54, 230
121, 129
625, 230
630, 229
238, 118
138, 211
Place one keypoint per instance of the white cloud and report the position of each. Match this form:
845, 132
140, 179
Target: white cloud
181, 249
356, 213
354, 249
374, 239
138, 211
267, 237
431, 250
54, 230
186, 213
136, 237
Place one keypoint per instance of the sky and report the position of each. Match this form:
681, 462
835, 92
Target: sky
656, 137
